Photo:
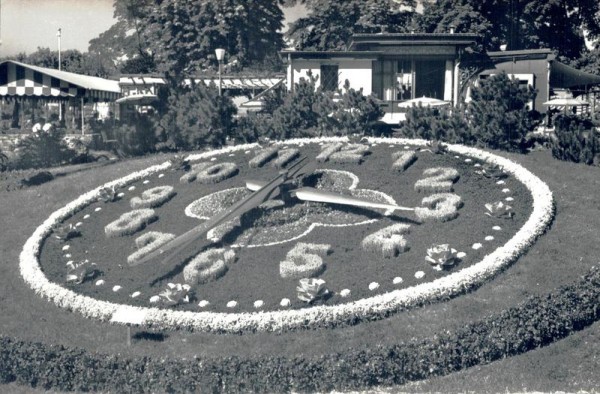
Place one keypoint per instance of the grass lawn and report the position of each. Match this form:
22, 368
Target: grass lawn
567, 251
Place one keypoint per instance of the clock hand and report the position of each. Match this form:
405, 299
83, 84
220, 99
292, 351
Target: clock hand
266, 192
316, 195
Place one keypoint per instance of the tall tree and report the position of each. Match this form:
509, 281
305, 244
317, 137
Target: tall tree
71, 60
330, 24
184, 34
520, 24
123, 45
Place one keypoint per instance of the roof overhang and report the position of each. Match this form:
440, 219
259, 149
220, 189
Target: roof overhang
563, 76
524, 54
412, 39
20, 79
138, 99
332, 54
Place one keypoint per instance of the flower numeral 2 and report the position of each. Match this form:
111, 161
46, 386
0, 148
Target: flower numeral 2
438, 179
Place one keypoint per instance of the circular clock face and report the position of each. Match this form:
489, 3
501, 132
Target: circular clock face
334, 244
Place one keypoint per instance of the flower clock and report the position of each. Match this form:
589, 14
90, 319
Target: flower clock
294, 234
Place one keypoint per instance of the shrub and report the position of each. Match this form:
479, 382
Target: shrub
43, 150
575, 140
3, 161
136, 137
497, 117
355, 113
308, 111
498, 113
299, 112
194, 117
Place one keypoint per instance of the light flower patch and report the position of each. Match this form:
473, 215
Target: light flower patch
130, 222
217, 173
311, 289
148, 243
208, 266
263, 157
389, 241
153, 198
437, 180
192, 174
403, 160
441, 256
499, 210
176, 293
304, 261
439, 207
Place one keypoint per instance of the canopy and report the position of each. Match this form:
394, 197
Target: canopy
423, 101
566, 102
20, 79
242, 83
563, 76
138, 99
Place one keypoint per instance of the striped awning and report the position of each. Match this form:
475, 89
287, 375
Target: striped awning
24, 80
240, 82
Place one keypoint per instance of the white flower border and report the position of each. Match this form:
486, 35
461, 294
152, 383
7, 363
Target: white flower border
273, 321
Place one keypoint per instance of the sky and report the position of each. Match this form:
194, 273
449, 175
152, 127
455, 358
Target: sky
26, 25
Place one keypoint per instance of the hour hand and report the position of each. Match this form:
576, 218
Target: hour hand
316, 195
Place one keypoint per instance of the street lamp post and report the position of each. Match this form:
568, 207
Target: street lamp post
220, 52
58, 36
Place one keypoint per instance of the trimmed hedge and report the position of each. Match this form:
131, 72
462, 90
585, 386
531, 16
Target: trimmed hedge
538, 321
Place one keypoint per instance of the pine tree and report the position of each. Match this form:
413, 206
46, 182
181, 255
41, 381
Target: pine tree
498, 113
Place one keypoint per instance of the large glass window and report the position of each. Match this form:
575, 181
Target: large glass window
404, 80
429, 76
329, 77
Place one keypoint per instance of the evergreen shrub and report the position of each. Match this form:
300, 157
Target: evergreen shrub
309, 111
43, 149
499, 115
575, 140
135, 137
194, 117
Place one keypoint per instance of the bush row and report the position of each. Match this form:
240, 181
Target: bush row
497, 117
538, 321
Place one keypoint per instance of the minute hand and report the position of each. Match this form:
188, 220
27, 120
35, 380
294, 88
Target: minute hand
316, 195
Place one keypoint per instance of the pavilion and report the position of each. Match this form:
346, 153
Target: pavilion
23, 83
